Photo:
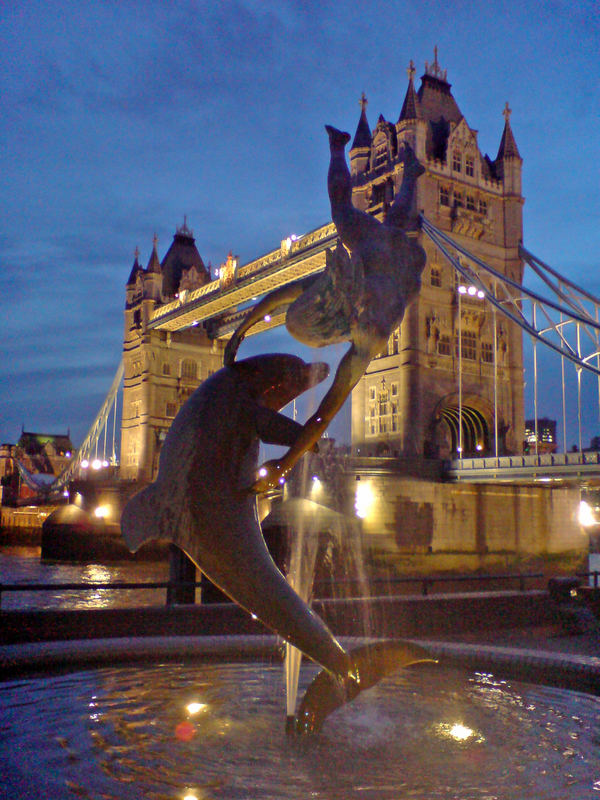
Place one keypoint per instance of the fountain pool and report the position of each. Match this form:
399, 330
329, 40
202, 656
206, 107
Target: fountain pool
203, 731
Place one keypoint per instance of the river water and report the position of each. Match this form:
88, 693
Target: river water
23, 565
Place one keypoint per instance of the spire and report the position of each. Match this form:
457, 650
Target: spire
362, 137
135, 268
434, 70
410, 107
508, 147
153, 267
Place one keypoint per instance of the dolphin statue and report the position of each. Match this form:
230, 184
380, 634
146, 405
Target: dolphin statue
201, 502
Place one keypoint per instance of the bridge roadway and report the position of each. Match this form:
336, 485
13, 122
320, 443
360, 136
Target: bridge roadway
212, 303
579, 468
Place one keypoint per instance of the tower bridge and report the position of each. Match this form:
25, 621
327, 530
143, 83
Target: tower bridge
444, 401
450, 384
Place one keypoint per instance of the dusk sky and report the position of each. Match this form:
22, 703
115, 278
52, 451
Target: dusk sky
119, 118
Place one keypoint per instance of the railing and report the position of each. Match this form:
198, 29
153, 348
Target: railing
173, 587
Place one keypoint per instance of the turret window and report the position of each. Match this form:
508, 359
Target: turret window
171, 409
483, 207
444, 196
458, 200
468, 345
189, 369
470, 203
166, 368
469, 166
456, 161
443, 345
487, 352
436, 276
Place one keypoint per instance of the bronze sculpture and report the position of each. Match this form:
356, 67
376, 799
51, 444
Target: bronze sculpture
200, 502
360, 298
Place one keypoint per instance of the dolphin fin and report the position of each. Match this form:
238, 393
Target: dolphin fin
370, 663
141, 519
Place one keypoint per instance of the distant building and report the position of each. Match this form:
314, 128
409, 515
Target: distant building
546, 436
38, 453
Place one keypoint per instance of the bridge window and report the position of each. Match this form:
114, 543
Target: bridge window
468, 340
456, 161
487, 352
443, 345
189, 369
469, 166
436, 276
444, 196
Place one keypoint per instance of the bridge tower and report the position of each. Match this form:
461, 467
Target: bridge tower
162, 368
411, 401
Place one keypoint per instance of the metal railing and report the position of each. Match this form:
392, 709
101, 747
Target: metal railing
426, 583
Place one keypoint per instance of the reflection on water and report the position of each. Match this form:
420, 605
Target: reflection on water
23, 565
215, 732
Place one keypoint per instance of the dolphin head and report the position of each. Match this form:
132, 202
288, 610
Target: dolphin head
277, 378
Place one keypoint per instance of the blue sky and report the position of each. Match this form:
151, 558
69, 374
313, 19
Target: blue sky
120, 117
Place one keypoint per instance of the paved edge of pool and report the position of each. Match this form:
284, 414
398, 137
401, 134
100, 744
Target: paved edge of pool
562, 670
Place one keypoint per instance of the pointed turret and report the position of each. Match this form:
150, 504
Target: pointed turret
362, 137
154, 263
410, 106
136, 268
508, 146
359, 152
153, 277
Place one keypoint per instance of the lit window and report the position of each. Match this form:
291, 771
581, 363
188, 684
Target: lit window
189, 369
468, 345
443, 345
487, 352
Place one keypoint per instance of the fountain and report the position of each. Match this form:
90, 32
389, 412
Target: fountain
212, 731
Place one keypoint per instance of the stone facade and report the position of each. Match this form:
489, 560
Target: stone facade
161, 368
402, 514
408, 402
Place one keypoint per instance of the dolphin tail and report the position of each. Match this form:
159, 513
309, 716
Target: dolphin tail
371, 663
141, 519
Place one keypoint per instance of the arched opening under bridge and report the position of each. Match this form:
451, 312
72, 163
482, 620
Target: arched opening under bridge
465, 429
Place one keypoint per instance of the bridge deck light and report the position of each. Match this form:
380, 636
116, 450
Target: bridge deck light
462, 289
472, 290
